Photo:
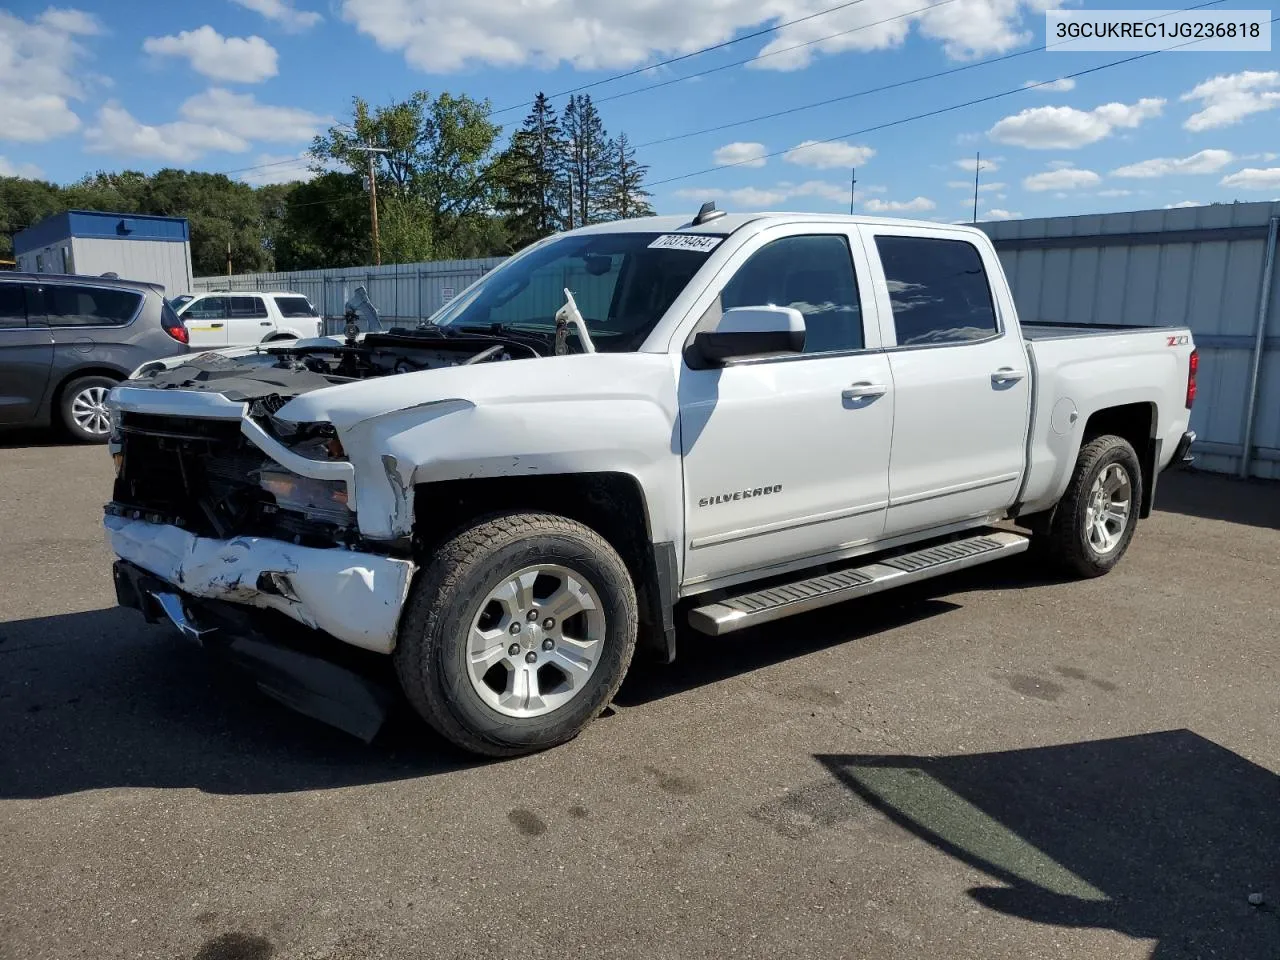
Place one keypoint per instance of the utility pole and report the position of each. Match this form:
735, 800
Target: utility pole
977, 165
853, 187
228, 258
373, 197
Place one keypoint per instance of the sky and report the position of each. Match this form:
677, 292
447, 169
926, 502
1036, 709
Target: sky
241, 86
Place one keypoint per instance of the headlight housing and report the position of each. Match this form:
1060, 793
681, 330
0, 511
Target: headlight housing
324, 500
315, 441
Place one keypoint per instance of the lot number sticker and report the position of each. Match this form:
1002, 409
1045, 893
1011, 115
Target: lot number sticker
686, 241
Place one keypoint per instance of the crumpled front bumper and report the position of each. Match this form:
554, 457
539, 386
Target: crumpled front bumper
355, 597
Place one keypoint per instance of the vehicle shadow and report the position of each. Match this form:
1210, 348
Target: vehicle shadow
1159, 836
99, 699
1215, 496
12, 437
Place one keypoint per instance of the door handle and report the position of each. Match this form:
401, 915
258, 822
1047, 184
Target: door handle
864, 389
1007, 375
265, 323
215, 326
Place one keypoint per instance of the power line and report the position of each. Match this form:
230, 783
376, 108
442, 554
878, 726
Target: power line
684, 56
775, 53
931, 113
870, 90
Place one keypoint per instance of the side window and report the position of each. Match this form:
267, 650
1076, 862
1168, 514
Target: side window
938, 289
13, 306
208, 308
251, 308
815, 275
68, 306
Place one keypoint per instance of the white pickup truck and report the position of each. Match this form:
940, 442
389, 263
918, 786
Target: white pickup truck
718, 421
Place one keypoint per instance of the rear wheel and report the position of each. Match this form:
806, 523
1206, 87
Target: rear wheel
84, 409
1095, 520
517, 634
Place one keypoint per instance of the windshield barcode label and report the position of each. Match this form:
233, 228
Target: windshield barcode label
686, 241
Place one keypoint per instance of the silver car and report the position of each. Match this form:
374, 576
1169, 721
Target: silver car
65, 341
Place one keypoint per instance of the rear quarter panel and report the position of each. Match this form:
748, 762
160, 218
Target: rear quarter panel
1077, 377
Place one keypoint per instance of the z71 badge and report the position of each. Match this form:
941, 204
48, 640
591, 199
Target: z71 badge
739, 495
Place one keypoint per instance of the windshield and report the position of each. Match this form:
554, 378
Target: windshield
623, 283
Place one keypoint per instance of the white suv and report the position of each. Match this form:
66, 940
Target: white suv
225, 319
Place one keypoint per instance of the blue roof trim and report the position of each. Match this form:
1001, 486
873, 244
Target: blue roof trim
100, 225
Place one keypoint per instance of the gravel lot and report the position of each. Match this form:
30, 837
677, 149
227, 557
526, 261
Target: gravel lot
992, 766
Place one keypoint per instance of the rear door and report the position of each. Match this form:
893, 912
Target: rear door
247, 320
26, 353
960, 378
206, 320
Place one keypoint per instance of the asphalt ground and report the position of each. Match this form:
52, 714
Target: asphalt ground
993, 765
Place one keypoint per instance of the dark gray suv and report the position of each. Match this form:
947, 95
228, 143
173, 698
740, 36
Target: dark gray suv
65, 341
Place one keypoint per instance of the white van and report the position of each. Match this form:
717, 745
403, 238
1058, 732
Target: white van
226, 319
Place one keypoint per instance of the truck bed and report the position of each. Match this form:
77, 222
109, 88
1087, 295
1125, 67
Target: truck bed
1051, 330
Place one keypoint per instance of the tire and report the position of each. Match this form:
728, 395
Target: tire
453, 596
83, 416
1074, 543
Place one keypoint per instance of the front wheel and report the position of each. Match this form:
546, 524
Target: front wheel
517, 634
1095, 520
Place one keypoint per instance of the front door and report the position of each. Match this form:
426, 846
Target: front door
786, 458
206, 320
961, 383
26, 354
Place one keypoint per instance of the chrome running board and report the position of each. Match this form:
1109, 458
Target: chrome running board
788, 599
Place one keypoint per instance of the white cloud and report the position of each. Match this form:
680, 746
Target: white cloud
446, 35
1227, 99
995, 213
967, 165
241, 114
1206, 161
1264, 157
1183, 203
876, 205
115, 131
1067, 178
1061, 85
764, 197
982, 187
741, 154
11, 169
236, 59
1060, 164
1066, 128
283, 13
1114, 192
41, 63
828, 156
1253, 178
278, 168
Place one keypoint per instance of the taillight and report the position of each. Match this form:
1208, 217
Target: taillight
178, 332
1193, 365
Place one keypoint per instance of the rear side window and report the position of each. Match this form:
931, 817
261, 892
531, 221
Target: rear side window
71, 306
296, 307
938, 289
13, 306
815, 275
248, 307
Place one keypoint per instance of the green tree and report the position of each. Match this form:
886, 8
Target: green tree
530, 193
325, 224
222, 212
437, 155
586, 161
625, 195
22, 203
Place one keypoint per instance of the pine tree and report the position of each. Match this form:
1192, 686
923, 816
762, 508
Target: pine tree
625, 195
528, 176
586, 161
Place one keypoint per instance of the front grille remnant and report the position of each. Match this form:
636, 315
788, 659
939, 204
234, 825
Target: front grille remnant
203, 476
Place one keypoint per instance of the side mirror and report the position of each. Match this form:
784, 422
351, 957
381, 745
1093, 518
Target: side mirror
749, 331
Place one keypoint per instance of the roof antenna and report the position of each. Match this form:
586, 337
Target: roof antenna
706, 213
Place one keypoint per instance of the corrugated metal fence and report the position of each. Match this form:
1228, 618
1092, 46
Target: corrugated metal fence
402, 292
1199, 267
